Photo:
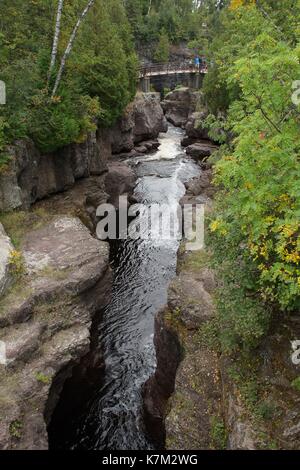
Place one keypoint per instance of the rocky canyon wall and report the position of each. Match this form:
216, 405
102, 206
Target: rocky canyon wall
32, 176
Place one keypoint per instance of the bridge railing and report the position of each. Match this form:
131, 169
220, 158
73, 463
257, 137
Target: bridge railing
170, 67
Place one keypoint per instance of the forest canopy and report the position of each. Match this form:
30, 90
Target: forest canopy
98, 80
251, 92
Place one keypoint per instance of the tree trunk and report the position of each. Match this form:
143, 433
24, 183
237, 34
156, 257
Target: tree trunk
70, 46
56, 38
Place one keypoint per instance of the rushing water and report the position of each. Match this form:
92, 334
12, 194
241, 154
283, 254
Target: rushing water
112, 418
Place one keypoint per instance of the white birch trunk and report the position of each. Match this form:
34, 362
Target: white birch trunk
70, 46
56, 38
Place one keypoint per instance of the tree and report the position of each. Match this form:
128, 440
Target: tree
255, 228
162, 52
70, 46
56, 37
90, 59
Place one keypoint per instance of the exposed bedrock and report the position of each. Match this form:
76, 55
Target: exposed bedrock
142, 120
201, 150
6, 248
179, 104
32, 176
160, 386
45, 324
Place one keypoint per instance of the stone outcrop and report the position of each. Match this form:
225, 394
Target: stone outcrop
177, 106
180, 104
142, 120
120, 180
46, 315
194, 127
185, 370
201, 150
149, 117
160, 386
45, 325
32, 176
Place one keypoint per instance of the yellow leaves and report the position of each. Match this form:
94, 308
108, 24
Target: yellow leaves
56, 99
235, 4
16, 263
293, 257
248, 185
229, 158
13, 256
270, 219
218, 226
289, 230
264, 251
215, 225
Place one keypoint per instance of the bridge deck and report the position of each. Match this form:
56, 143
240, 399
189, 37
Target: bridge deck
170, 69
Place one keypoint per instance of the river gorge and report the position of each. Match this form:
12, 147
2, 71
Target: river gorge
103, 339
112, 418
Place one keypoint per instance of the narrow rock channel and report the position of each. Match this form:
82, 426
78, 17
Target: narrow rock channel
110, 413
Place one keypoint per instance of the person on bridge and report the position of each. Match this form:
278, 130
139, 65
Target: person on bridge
197, 62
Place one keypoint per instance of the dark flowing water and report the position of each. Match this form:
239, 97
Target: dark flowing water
112, 418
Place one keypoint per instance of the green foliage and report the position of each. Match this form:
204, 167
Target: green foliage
179, 18
266, 410
162, 51
255, 228
43, 378
98, 82
296, 384
15, 429
218, 433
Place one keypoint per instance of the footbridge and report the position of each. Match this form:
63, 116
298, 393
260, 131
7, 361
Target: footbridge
171, 74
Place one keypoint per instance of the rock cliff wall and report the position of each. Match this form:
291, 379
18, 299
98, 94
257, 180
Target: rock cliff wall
143, 120
32, 176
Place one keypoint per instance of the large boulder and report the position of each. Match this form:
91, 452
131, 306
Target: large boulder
195, 128
121, 134
149, 119
201, 150
119, 180
32, 176
143, 120
177, 106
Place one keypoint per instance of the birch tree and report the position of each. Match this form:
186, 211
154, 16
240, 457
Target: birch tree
56, 38
70, 46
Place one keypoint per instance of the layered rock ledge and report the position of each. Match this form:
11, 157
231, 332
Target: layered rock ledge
32, 176
45, 321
